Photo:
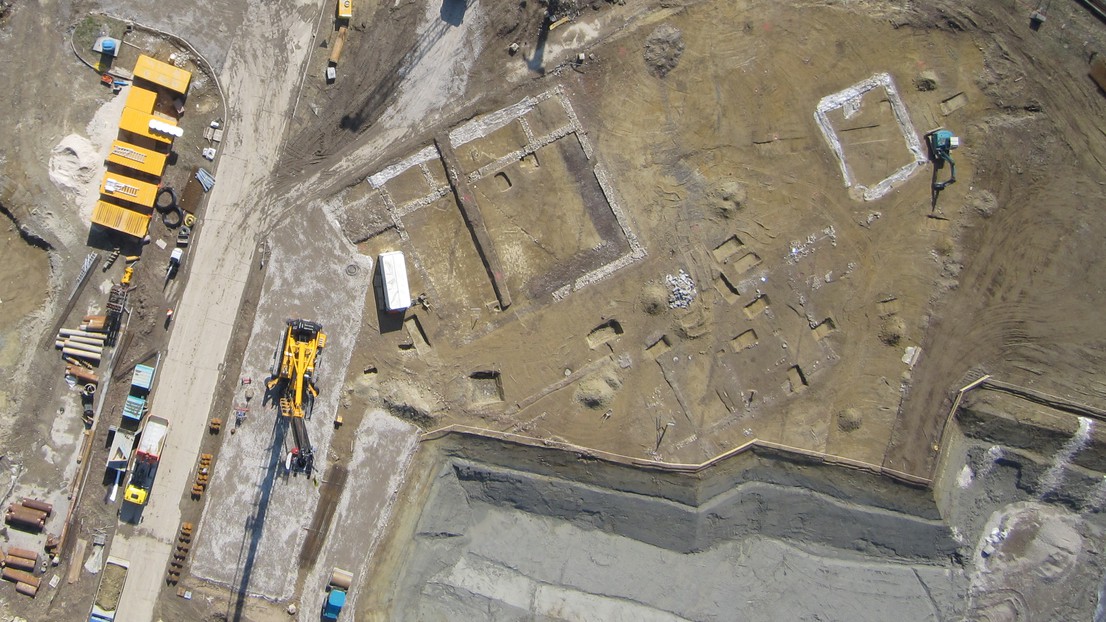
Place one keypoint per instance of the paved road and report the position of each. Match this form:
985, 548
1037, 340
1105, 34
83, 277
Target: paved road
260, 78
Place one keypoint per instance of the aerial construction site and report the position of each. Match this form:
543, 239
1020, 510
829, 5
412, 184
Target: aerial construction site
496, 309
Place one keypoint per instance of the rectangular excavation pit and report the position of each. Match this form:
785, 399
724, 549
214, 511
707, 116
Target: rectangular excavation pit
659, 346
954, 103
547, 117
607, 331
756, 307
408, 186
887, 306
746, 263
729, 247
744, 341
481, 151
823, 328
867, 126
447, 254
934, 223
796, 380
563, 230
416, 334
485, 387
727, 288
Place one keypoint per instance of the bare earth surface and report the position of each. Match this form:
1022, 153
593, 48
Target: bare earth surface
698, 227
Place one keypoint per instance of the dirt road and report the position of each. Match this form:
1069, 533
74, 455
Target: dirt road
260, 80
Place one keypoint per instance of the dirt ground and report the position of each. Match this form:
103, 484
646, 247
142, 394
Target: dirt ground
803, 317
700, 225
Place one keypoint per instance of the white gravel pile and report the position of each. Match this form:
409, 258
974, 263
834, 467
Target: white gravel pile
681, 290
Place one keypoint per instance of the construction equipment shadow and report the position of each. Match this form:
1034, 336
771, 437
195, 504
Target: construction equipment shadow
255, 522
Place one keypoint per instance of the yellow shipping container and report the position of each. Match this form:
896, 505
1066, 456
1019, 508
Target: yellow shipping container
120, 219
137, 158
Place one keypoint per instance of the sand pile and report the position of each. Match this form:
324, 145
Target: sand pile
77, 162
74, 166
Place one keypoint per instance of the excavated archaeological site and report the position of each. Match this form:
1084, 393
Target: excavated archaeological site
696, 325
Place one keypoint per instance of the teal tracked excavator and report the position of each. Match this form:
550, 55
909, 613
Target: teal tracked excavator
941, 142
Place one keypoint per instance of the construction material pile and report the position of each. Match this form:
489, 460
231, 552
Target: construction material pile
20, 566
29, 515
84, 343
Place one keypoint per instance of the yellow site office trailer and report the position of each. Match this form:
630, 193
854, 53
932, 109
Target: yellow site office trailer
141, 100
162, 74
128, 189
137, 122
137, 158
120, 219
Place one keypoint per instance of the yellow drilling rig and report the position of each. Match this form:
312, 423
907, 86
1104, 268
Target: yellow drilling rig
293, 375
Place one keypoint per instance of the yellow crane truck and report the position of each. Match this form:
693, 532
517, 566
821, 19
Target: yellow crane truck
293, 379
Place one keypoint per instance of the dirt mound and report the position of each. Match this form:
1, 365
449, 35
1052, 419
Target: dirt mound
654, 299
663, 49
891, 331
983, 202
728, 199
73, 163
404, 401
849, 420
597, 391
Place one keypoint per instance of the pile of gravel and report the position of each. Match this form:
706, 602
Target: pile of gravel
681, 290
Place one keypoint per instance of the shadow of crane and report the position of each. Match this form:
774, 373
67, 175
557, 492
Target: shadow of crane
255, 522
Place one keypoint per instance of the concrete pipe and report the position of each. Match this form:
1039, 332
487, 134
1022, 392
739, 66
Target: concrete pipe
25, 553
85, 334
92, 356
11, 574
94, 339
86, 340
34, 504
84, 347
26, 589
31, 521
341, 578
95, 347
17, 508
20, 563
69, 332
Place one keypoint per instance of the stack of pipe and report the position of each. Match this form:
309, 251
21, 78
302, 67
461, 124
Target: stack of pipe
26, 554
25, 582
36, 504
19, 567
79, 343
20, 563
19, 515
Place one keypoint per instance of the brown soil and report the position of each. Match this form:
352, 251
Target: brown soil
111, 587
702, 117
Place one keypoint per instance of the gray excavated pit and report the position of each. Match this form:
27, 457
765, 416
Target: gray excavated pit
492, 542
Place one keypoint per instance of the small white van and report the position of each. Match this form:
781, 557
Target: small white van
393, 294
